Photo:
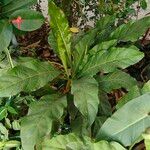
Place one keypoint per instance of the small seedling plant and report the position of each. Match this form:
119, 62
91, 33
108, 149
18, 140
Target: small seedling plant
67, 102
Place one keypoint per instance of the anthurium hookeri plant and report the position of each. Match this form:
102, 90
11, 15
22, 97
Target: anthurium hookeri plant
76, 115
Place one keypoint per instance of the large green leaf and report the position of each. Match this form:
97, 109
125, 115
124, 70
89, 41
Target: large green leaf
115, 80
37, 124
15, 5
132, 30
26, 78
5, 34
85, 91
72, 142
59, 142
60, 29
90, 38
109, 61
128, 123
31, 20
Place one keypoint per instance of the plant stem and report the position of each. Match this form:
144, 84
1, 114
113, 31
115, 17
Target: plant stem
67, 89
9, 58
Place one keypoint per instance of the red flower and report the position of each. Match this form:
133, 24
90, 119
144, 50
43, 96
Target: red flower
17, 21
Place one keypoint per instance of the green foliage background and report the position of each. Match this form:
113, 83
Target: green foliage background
44, 107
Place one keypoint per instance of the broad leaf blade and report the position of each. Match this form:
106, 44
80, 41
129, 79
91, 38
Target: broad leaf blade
128, 123
108, 61
72, 142
38, 123
85, 91
132, 30
60, 142
22, 78
115, 80
31, 20
88, 39
60, 29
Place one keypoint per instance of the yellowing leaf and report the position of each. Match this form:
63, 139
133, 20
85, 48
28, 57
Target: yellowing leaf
74, 30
